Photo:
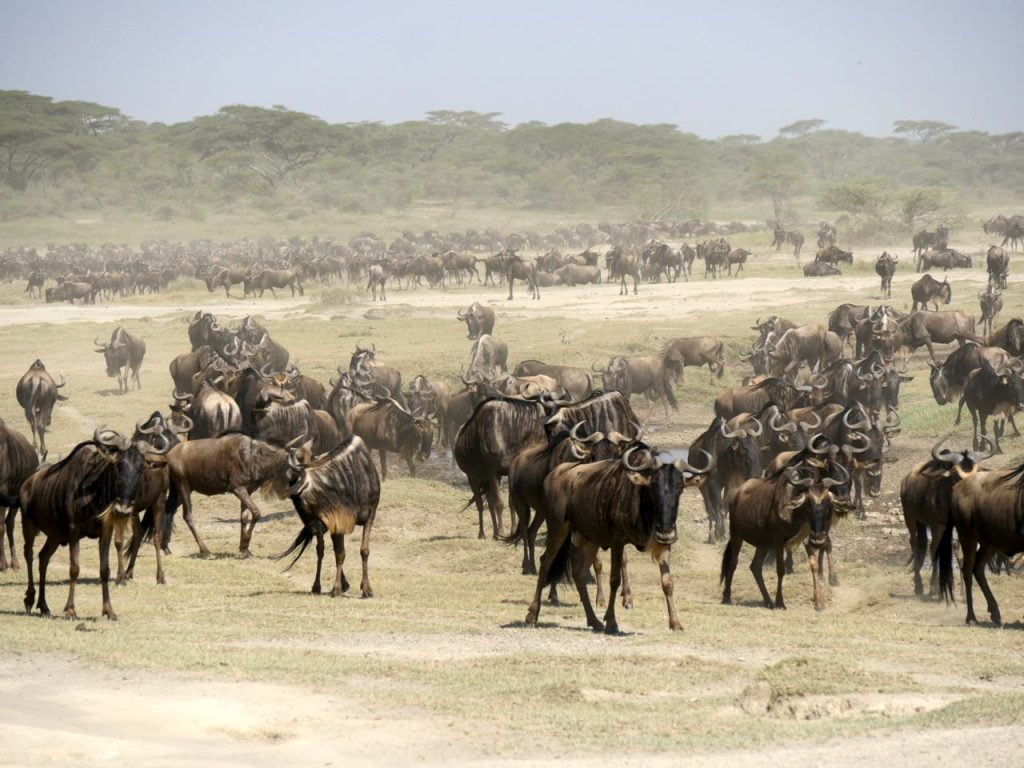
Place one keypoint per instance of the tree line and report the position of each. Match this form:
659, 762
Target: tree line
57, 156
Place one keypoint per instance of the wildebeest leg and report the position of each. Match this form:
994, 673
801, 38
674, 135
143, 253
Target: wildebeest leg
28, 535
598, 575
667, 589
248, 521
780, 572
583, 554
316, 589
756, 564
120, 548
364, 553
627, 591
1016, 433
969, 550
105, 536
186, 512
477, 487
556, 538
833, 577
730, 556
814, 559
4, 514
73, 570
611, 626
706, 491
959, 410
985, 553
408, 459
497, 512
49, 547
383, 465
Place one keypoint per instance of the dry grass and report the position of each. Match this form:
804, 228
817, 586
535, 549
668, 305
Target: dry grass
444, 633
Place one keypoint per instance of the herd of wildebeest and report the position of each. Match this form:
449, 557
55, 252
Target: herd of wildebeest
788, 451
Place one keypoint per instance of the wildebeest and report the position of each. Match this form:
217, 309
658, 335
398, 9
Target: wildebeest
997, 261
621, 265
381, 379
811, 345
947, 259
70, 290
385, 425
90, 493
776, 513
225, 277
1010, 337
37, 394
574, 274
929, 290
123, 355
639, 375
34, 289
634, 500
487, 355
680, 352
993, 390
333, 494
947, 380
924, 240
991, 305
826, 235
820, 269
833, 255
498, 429
986, 510
18, 460
270, 279
378, 279
928, 328
517, 268
232, 463
577, 382
479, 320
925, 495
885, 267
843, 320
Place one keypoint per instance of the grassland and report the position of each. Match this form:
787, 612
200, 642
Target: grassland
442, 642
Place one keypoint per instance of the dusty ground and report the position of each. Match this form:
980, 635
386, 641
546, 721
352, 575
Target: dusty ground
234, 662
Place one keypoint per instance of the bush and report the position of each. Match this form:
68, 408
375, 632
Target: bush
340, 296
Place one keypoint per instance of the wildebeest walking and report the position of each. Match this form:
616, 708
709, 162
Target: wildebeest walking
18, 460
333, 494
885, 267
37, 394
123, 355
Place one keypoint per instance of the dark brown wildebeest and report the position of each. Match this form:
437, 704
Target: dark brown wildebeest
925, 495
346, 392
225, 277
826, 235
208, 413
842, 320
737, 453
928, 328
812, 345
573, 275
383, 380
457, 263
986, 510
577, 382
754, 397
997, 262
70, 290
90, 494
199, 329
333, 494
639, 375
269, 356
281, 423
695, 351
778, 512
737, 256
608, 504
123, 355
948, 379
929, 290
993, 390
517, 268
820, 269
604, 412
924, 240
18, 460
34, 289
497, 430
947, 259
385, 425
479, 320
795, 238
885, 268
621, 265
687, 254
185, 366
233, 463
37, 394
269, 279
378, 278
991, 302
1010, 337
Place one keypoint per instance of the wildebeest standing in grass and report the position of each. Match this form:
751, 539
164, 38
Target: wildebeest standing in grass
233, 463
608, 504
577, 382
680, 352
991, 302
90, 494
639, 375
37, 394
332, 494
479, 320
18, 460
384, 425
885, 267
928, 290
123, 355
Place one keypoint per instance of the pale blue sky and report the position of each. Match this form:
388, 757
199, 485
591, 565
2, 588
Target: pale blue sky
713, 68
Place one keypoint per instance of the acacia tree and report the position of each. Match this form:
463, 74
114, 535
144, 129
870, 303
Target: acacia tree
36, 133
778, 174
924, 130
272, 143
802, 127
919, 202
866, 197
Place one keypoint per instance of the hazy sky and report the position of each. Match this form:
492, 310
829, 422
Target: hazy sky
713, 68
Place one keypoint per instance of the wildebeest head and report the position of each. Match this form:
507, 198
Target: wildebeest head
129, 462
362, 359
662, 484
115, 353
740, 446
473, 318
823, 503
615, 378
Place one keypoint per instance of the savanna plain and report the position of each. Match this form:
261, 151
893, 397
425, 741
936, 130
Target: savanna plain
235, 662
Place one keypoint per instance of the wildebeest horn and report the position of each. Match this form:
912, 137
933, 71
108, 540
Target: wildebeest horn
181, 430
265, 372
461, 315
829, 482
185, 396
758, 426
756, 327
684, 466
99, 344
594, 367
165, 443
648, 463
774, 420
730, 435
62, 382
104, 435
983, 454
812, 443
860, 436
638, 432
806, 426
938, 455
143, 430
818, 377
859, 425
794, 479
892, 411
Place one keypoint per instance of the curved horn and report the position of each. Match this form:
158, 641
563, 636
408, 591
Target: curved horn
859, 425
143, 430
181, 430
62, 382
638, 433
462, 315
264, 371
811, 444
860, 436
99, 344
648, 463
729, 435
793, 478
165, 443
684, 466
985, 453
829, 482
596, 369
806, 426
938, 455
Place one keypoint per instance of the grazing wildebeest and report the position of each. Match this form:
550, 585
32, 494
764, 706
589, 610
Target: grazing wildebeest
885, 267
37, 394
833, 255
986, 510
225, 277
606, 504
384, 425
620, 265
928, 328
929, 290
778, 512
639, 375
947, 259
577, 382
820, 269
812, 345
924, 240
997, 262
479, 320
232, 463
680, 352
498, 429
270, 279
333, 494
123, 355
925, 495
991, 305
18, 460
91, 494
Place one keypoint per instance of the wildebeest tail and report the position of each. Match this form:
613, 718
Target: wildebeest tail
559, 570
666, 385
726, 556
301, 542
945, 556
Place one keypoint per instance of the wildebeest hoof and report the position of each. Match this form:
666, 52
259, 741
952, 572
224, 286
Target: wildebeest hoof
597, 626
627, 602
316, 589
834, 581
69, 613
611, 629
367, 593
